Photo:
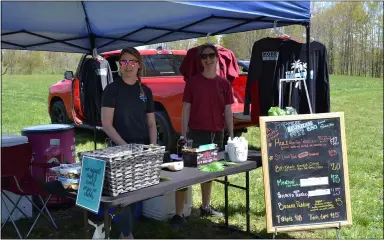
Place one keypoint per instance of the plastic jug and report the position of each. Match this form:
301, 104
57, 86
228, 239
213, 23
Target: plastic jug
237, 149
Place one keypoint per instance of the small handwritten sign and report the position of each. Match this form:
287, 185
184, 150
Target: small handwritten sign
305, 172
91, 184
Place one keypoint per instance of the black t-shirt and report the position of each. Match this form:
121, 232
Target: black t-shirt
129, 118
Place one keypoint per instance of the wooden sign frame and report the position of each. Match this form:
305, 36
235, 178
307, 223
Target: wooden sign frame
267, 189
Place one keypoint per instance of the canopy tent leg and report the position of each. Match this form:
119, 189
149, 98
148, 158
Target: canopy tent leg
309, 67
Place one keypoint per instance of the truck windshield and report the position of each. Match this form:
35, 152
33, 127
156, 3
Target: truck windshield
162, 65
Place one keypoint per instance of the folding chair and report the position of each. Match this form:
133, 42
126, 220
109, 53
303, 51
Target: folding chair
16, 178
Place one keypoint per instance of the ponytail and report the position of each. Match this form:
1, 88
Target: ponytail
140, 84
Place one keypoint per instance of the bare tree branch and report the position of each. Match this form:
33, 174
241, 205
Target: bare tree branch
5, 70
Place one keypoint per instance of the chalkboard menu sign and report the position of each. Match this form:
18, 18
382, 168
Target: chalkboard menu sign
305, 172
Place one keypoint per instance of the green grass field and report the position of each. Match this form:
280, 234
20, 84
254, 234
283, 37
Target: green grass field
24, 103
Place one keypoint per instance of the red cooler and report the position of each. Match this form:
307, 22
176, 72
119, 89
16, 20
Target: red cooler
40, 139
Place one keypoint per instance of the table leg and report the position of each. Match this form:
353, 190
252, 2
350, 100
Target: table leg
226, 200
107, 222
247, 210
86, 230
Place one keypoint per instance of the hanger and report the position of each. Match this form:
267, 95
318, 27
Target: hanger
209, 38
94, 53
311, 38
96, 56
282, 35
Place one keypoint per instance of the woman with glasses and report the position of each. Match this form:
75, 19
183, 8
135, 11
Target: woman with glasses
127, 116
207, 111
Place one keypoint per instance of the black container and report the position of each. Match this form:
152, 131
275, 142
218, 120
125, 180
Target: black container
196, 159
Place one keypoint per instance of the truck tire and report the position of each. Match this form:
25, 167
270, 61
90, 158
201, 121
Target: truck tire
58, 113
165, 132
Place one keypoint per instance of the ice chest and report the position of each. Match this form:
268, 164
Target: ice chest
199, 158
163, 208
10, 140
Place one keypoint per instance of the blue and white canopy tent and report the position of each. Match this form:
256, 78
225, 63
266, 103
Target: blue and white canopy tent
81, 26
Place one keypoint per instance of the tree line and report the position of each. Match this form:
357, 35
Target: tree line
351, 31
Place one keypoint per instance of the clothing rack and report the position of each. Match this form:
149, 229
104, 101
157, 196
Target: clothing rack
297, 82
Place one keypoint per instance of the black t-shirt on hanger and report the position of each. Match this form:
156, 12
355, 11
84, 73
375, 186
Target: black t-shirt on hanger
318, 85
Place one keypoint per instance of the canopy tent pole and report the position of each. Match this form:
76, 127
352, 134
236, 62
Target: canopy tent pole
308, 40
92, 40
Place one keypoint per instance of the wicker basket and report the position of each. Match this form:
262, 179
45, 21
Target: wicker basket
129, 167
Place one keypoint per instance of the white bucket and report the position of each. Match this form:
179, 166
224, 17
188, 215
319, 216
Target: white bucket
237, 149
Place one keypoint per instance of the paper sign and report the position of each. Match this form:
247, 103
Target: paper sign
319, 192
91, 184
313, 181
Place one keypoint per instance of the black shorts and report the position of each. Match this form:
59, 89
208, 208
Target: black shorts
203, 137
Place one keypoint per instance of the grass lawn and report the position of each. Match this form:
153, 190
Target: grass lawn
24, 103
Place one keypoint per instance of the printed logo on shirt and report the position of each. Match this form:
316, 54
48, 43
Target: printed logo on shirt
101, 72
299, 70
143, 98
270, 56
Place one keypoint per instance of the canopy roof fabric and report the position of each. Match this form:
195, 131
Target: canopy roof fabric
79, 26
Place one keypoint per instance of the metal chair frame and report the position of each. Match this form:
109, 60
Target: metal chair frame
15, 206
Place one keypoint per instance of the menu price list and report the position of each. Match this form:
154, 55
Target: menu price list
305, 171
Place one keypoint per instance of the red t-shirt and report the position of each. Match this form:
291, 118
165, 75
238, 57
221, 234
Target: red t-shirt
227, 66
208, 98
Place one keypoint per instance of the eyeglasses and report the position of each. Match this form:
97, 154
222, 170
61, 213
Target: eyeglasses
124, 63
205, 56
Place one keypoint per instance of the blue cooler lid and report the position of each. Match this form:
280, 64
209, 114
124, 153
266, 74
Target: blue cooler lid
47, 128
9, 140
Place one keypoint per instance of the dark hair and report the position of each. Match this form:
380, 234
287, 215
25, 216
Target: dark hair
133, 51
208, 45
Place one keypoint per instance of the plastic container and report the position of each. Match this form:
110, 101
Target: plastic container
41, 135
69, 183
10, 140
72, 171
163, 208
237, 149
40, 138
180, 145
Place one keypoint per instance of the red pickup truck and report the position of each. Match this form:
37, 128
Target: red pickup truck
162, 76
